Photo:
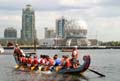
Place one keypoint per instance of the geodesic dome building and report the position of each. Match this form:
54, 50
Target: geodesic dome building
76, 29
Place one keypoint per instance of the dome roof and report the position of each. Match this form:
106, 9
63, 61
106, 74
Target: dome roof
81, 24
76, 25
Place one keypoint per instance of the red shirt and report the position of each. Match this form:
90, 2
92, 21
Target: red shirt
17, 51
68, 63
35, 61
42, 61
23, 59
29, 61
50, 62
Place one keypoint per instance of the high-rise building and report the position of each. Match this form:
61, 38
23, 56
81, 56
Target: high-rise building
10, 33
60, 27
28, 31
49, 33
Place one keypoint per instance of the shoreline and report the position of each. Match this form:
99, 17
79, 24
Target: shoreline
62, 49
66, 47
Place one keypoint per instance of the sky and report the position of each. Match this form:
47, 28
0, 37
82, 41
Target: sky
101, 16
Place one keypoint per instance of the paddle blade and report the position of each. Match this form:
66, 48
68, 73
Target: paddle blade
17, 66
58, 68
33, 67
102, 75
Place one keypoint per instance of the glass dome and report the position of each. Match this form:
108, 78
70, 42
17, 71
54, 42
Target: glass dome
76, 28
76, 25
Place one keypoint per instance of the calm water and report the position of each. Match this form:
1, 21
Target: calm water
104, 61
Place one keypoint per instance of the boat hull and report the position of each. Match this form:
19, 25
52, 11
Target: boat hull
82, 68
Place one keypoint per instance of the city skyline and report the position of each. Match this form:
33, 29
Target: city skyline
102, 16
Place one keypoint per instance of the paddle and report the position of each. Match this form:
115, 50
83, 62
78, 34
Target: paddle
102, 75
34, 45
17, 66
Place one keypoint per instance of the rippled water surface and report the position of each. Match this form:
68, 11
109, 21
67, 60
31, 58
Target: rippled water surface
104, 61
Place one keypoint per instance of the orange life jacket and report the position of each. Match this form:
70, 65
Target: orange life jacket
68, 63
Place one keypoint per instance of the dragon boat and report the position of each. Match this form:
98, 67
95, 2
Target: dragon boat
82, 68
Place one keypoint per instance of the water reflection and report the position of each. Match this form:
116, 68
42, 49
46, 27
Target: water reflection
31, 76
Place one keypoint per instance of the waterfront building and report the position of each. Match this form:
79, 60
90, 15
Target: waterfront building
28, 31
68, 33
60, 27
76, 33
47, 42
94, 42
49, 33
83, 42
75, 29
10, 33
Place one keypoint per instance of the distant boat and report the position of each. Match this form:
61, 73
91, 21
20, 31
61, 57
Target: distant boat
10, 44
67, 50
1, 49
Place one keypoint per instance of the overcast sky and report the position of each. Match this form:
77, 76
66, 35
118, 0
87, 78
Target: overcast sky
101, 16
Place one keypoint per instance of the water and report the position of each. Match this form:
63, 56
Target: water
103, 61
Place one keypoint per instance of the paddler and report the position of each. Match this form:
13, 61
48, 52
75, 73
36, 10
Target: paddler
67, 63
29, 61
49, 63
57, 60
17, 53
74, 60
35, 62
